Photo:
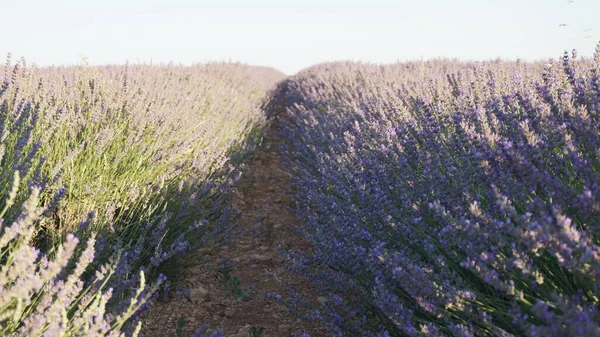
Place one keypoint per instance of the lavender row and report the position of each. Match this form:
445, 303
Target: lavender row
138, 161
44, 293
450, 199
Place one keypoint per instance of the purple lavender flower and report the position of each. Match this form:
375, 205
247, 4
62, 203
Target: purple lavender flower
451, 203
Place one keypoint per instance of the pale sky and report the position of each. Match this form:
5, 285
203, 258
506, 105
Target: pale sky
293, 34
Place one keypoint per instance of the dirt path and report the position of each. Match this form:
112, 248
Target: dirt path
219, 298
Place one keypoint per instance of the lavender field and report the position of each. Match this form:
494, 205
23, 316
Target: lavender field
108, 173
439, 198
450, 199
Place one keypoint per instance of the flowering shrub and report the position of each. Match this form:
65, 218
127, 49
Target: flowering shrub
446, 199
127, 138
43, 295
138, 161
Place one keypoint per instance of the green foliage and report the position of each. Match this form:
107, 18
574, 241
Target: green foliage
256, 331
181, 322
234, 284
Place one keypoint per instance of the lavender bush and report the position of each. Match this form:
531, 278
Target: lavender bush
43, 294
136, 160
449, 199
148, 148
124, 137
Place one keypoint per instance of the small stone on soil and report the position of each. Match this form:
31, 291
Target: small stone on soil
198, 294
259, 257
284, 328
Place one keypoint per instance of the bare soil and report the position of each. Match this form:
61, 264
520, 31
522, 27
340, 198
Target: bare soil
262, 195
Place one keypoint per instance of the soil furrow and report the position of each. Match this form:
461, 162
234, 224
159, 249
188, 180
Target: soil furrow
222, 298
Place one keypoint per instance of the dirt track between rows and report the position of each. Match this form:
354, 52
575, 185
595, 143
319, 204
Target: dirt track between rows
263, 196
